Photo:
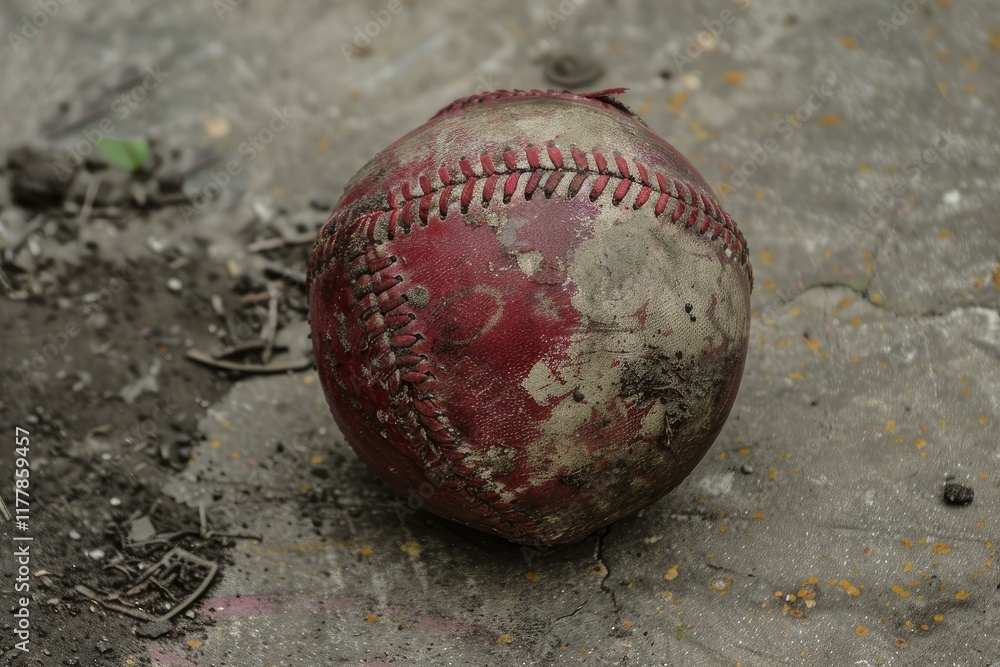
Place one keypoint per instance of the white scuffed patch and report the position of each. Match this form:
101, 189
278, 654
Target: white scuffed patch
496, 219
542, 383
529, 261
717, 485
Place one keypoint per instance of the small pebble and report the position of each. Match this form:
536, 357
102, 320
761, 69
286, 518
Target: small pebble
115, 501
104, 645
74, 535
174, 284
96, 554
746, 469
958, 494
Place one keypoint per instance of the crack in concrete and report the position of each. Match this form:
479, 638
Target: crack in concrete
863, 293
572, 613
599, 556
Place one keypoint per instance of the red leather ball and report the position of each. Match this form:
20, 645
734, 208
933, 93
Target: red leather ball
531, 313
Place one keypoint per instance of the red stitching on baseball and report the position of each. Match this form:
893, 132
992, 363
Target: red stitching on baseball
373, 291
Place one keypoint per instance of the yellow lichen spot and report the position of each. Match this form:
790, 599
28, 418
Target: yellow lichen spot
876, 298
899, 590
277, 192
769, 284
758, 515
908, 567
848, 42
856, 321
371, 618
699, 133
814, 344
765, 256
995, 38
861, 631
890, 426
532, 575
919, 443
733, 77
760, 195
678, 101
844, 303
226, 425
234, 454
723, 189
944, 234
849, 588
984, 476
672, 573
772, 474
743, 450
943, 89
627, 624
829, 120
984, 420
411, 547
217, 127
962, 595
940, 548
194, 643
215, 444
599, 570
811, 580
996, 277
309, 380
323, 144
366, 551
795, 375
965, 392
856, 360
938, 618
316, 459
925, 627
505, 639
864, 168
898, 441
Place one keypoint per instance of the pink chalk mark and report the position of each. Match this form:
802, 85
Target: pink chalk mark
157, 653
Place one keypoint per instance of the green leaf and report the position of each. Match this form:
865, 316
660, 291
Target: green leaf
127, 154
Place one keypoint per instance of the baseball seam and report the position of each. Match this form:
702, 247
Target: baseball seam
379, 292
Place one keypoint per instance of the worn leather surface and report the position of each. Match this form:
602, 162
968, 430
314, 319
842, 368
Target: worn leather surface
532, 313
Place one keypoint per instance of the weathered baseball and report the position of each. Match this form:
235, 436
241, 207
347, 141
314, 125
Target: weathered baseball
530, 314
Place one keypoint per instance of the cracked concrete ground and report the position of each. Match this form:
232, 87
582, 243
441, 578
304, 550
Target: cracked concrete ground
855, 143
